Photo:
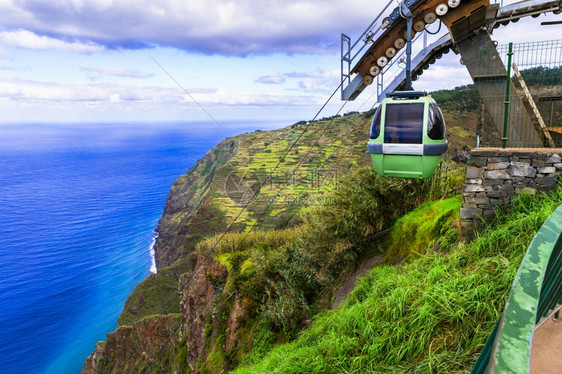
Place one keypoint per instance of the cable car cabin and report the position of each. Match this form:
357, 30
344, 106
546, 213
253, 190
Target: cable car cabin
407, 136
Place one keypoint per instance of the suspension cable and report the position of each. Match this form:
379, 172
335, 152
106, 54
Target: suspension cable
211, 250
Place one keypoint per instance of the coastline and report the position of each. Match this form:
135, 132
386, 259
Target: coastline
152, 251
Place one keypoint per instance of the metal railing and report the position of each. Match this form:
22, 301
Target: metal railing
350, 52
525, 110
535, 296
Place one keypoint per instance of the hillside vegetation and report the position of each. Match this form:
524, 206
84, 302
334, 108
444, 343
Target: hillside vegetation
199, 204
258, 298
431, 314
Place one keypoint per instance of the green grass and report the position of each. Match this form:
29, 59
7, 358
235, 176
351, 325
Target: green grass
412, 234
284, 277
287, 279
432, 314
155, 295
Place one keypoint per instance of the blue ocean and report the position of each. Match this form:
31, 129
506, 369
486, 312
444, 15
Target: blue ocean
78, 209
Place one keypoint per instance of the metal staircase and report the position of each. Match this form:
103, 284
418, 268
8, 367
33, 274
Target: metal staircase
354, 79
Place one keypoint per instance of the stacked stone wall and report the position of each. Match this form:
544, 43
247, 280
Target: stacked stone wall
495, 176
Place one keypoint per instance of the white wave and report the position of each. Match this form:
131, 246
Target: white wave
153, 268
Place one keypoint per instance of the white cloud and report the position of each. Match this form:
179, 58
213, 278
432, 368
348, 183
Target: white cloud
224, 27
33, 92
442, 77
29, 40
322, 81
315, 74
208, 26
308, 85
124, 73
271, 79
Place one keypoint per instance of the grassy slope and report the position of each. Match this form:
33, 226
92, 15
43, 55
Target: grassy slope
285, 276
430, 315
260, 151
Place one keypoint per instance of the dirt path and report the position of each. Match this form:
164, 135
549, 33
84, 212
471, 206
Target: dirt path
347, 287
546, 357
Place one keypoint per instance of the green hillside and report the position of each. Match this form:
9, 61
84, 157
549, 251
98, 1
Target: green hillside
430, 314
260, 297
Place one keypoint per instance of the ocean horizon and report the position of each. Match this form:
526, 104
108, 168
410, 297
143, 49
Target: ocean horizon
80, 203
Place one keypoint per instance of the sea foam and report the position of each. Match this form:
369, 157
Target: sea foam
153, 268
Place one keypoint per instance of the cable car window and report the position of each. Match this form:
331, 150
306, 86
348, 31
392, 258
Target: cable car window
403, 123
436, 123
376, 126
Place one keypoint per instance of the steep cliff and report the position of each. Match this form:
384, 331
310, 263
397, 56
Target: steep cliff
210, 305
185, 197
148, 345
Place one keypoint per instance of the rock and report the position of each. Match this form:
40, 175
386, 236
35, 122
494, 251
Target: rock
522, 171
197, 293
476, 200
467, 230
473, 181
491, 153
496, 174
186, 194
554, 159
547, 170
558, 166
472, 188
498, 165
497, 160
547, 181
499, 194
492, 182
479, 162
146, 340
528, 155
470, 213
521, 163
473, 172
507, 188
538, 163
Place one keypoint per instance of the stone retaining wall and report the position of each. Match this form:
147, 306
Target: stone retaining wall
495, 176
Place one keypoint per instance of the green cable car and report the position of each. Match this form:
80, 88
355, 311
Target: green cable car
407, 136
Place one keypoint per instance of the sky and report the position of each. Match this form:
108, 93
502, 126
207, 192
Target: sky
177, 60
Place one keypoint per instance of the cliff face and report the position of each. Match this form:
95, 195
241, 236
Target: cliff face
186, 317
185, 197
199, 292
146, 346
167, 343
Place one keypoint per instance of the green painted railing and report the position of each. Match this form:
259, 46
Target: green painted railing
535, 293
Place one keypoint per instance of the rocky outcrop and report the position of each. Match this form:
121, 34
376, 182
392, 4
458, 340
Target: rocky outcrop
162, 340
199, 292
185, 197
174, 341
130, 349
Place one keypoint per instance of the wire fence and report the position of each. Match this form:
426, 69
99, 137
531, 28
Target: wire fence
524, 111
